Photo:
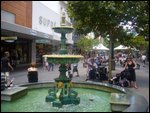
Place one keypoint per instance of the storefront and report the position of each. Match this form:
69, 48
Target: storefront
43, 47
19, 51
23, 50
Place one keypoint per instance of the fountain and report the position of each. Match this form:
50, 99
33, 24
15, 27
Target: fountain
62, 93
94, 96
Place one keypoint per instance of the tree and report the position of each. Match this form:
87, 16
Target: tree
139, 42
140, 14
85, 44
104, 17
107, 18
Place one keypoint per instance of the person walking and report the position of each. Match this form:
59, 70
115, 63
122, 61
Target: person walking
45, 64
5, 67
69, 70
143, 59
75, 69
50, 66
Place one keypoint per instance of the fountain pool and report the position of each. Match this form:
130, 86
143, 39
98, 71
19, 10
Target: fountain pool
94, 96
90, 100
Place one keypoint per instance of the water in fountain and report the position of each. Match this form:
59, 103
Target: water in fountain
32, 103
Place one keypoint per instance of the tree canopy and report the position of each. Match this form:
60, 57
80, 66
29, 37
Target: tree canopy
85, 44
139, 42
106, 17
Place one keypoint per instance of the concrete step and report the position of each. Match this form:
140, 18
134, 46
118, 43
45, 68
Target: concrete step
119, 102
13, 93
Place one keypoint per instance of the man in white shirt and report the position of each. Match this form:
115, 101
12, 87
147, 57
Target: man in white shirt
143, 60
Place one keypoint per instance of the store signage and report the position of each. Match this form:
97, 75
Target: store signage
43, 41
33, 32
46, 22
46, 35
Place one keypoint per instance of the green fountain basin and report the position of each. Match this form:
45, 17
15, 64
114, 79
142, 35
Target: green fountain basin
63, 59
94, 97
90, 98
63, 29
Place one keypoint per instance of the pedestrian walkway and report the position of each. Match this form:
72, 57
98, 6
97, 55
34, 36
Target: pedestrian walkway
44, 75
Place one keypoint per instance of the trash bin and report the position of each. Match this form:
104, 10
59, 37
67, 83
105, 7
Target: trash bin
32, 76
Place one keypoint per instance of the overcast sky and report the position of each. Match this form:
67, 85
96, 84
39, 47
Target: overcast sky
51, 4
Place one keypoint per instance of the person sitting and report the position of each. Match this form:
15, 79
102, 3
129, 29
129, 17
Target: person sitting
91, 71
32, 73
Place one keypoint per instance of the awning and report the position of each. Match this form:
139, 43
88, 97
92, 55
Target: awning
100, 47
10, 29
121, 47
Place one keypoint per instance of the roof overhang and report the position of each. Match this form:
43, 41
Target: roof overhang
11, 29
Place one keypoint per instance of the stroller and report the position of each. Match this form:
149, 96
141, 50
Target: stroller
121, 79
93, 74
102, 73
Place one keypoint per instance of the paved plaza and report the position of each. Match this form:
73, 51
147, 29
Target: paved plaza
44, 75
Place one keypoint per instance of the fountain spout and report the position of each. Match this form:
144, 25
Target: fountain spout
58, 94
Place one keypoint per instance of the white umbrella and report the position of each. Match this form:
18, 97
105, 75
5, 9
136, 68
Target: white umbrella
134, 49
121, 47
100, 47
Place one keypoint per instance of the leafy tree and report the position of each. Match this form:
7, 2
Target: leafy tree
140, 16
139, 42
85, 44
107, 18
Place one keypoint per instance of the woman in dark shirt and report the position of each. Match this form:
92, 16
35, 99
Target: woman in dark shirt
5, 66
131, 65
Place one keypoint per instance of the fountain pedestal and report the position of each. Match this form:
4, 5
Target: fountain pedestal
62, 92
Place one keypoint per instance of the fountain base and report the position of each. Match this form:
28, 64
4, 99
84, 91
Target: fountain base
61, 93
61, 100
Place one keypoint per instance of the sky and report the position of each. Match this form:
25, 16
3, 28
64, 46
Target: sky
51, 5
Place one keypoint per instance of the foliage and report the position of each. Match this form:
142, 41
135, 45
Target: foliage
140, 16
105, 17
85, 44
139, 42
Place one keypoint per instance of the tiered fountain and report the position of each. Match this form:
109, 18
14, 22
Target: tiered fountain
98, 97
62, 93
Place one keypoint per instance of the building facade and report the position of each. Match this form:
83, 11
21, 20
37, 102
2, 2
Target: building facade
16, 16
31, 22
